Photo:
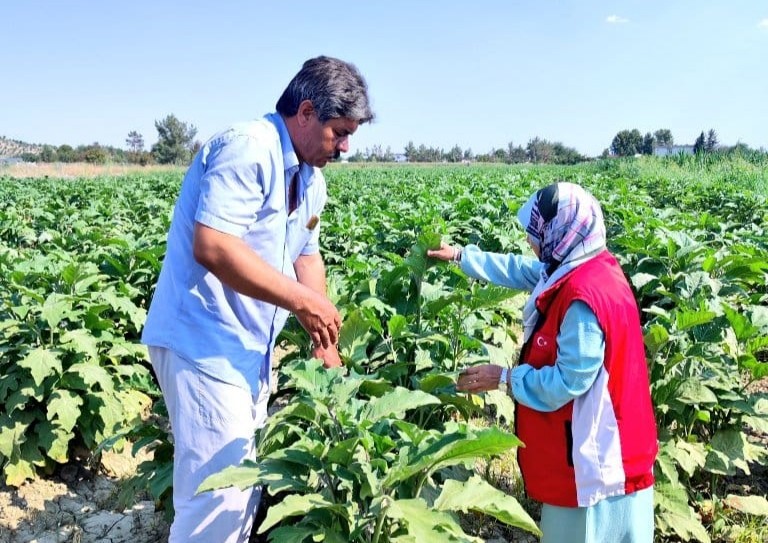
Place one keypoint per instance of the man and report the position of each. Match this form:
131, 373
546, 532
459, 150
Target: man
242, 254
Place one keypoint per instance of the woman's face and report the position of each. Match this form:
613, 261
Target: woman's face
534, 246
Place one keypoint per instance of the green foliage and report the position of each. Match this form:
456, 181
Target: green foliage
72, 372
175, 140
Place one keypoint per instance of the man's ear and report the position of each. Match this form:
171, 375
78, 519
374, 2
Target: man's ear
305, 112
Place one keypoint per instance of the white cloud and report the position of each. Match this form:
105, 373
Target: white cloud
615, 20
763, 24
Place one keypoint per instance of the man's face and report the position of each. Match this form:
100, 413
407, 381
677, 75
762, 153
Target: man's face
322, 142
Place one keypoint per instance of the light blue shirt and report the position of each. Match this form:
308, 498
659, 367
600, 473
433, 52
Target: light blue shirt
580, 340
237, 184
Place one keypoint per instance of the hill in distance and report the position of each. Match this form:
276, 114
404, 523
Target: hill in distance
15, 148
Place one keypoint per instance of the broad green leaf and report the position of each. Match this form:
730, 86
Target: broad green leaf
639, 280
427, 525
294, 505
694, 392
751, 505
56, 307
88, 376
729, 450
675, 515
54, 440
41, 363
396, 403
354, 337
12, 434
64, 408
291, 534
688, 319
81, 341
504, 404
477, 495
245, 476
655, 337
17, 471
741, 325
689, 456
453, 449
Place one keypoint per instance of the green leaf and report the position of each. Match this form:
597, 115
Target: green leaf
693, 392
453, 449
18, 470
87, 375
294, 505
396, 403
751, 505
675, 515
477, 495
427, 525
291, 534
243, 477
55, 308
64, 408
729, 450
688, 319
41, 363
354, 337
81, 341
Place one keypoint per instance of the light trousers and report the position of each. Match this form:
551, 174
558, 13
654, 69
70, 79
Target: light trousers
619, 519
213, 425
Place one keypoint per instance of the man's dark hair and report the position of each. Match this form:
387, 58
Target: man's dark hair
335, 88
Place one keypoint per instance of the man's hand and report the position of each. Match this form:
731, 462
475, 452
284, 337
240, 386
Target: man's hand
479, 378
329, 356
320, 319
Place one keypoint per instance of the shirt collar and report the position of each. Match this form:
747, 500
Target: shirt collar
290, 159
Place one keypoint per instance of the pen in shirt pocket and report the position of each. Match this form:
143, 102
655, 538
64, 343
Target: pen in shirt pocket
312, 222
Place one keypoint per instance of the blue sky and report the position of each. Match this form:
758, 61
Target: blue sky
478, 74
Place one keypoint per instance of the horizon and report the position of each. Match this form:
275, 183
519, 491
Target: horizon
478, 77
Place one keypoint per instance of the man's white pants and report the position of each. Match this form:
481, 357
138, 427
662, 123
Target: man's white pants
213, 425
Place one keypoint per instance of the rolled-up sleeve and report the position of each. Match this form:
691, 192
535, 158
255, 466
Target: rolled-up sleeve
580, 355
232, 187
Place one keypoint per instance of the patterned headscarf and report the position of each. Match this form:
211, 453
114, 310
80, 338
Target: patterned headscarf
566, 223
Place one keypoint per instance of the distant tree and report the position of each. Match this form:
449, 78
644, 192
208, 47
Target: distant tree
65, 153
93, 154
627, 143
711, 143
515, 154
664, 137
48, 154
455, 154
468, 155
647, 146
410, 152
134, 142
700, 144
174, 141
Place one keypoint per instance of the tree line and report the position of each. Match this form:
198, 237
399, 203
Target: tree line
176, 144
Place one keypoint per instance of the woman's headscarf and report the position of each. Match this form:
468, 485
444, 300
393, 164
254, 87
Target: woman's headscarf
566, 223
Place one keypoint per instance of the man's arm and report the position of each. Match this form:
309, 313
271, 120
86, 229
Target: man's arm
310, 272
236, 265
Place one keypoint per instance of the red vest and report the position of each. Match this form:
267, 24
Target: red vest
604, 442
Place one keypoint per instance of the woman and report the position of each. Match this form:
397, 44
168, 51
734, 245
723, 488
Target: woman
581, 390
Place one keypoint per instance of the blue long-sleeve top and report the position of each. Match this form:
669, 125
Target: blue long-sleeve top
580, 340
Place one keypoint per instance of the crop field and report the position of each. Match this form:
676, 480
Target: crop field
386, 449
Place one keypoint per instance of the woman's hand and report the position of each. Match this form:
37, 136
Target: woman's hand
445, 252
479, 378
